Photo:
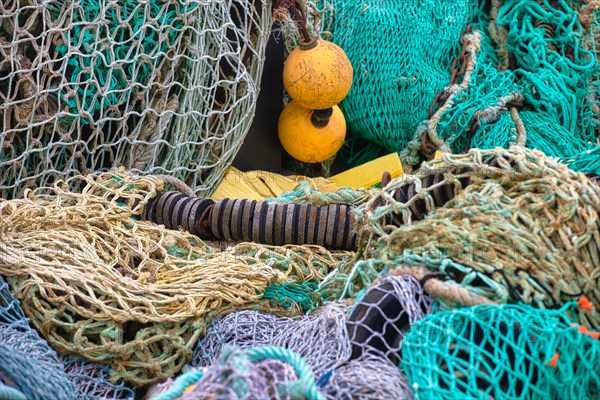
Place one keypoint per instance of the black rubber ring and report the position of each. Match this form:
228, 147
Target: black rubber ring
262, 222
250, 220
175, 210
295, 217
282, 229
336, 224
316, 228
219, 221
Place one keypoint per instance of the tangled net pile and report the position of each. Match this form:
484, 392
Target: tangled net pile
88, 85
321, 338
533, 231
476, 276
131, 294
258, 373
100, 283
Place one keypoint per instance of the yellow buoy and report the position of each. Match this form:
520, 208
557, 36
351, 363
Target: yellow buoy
318, 74
311, 135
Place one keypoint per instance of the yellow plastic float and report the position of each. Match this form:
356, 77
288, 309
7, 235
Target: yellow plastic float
317, 74
311, 136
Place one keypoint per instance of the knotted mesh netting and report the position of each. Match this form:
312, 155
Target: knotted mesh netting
351, 351
499, 225
380, 319
234, 377
367, 378
265, 372
141, 295
320, 338
507, 352
461, 74
27, 364
398, 71
162, 86
93, 381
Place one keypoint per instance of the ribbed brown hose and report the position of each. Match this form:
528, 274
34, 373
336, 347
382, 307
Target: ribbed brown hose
175, 210
277, 224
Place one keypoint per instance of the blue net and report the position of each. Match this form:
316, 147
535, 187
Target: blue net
27, 363
93, 381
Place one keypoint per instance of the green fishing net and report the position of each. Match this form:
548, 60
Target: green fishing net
502, 352
534, 72
397, 70
519, 226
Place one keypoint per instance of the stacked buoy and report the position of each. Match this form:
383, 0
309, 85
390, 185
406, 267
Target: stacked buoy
317, 76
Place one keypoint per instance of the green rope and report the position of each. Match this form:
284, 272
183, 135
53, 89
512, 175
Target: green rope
288, 293
305, 193
304, 388
307, 388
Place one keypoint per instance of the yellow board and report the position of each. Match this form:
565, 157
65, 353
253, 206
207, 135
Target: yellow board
370, 173
260, 185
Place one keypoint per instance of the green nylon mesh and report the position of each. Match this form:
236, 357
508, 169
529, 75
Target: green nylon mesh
536, 56
397, 72
89, 85
503, 352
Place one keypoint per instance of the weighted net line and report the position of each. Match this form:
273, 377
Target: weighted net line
131, 294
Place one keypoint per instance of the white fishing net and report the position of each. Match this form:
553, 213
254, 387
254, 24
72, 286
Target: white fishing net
93, 381
367, 378
320, 338
354, 352
159, 86
379, 321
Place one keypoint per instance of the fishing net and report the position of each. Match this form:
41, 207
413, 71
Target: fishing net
587, 161
351, 352
376, 326
502, 352
320, 338
399, 75
257, 373
367, 378
93, 381
524, 229
163, 86
496, 68
101, 284
28, 367
380, 319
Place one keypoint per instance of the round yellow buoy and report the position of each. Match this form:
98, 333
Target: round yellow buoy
318, 74
311, 135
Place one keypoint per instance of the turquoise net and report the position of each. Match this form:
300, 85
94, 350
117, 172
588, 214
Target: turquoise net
498, 70
503, 352
28, 366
